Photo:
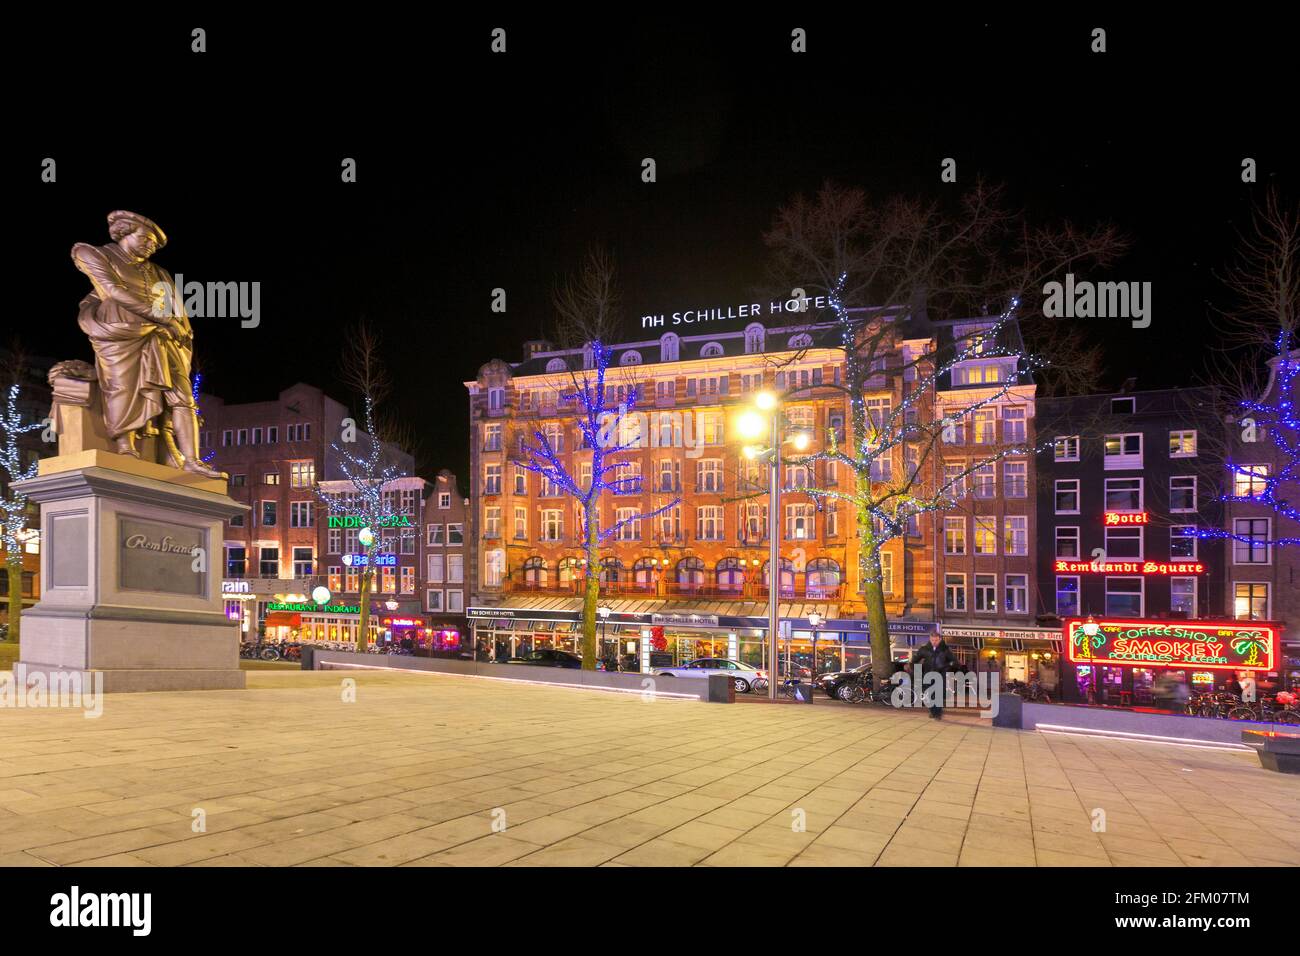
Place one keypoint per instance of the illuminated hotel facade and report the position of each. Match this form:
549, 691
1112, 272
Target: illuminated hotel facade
694, 578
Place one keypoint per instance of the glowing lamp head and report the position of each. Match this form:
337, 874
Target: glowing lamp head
321, 594
750, 424
800, 441
366, 537
765, 400
751, 452
1090, 626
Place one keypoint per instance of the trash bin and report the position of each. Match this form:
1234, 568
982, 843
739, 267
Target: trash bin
803, 693
722, 689
308, 657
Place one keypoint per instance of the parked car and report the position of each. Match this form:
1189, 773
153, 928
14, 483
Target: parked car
832, 682
742, 676
547, 658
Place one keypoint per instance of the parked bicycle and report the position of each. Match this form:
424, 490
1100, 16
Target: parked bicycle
1032, 691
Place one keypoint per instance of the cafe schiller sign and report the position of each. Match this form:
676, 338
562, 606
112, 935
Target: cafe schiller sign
1231, 645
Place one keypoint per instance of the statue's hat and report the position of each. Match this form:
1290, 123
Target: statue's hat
139, 220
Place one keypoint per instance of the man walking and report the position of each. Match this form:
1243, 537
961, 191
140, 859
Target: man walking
936, 656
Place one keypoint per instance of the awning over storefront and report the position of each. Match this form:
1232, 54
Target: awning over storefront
702, 613
283, 619
718, 615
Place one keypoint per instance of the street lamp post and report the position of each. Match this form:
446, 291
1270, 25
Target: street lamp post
603, 612
816, 620
751, 427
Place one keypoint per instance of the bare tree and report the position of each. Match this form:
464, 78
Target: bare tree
587, 315
587, 302
362, 456
1263, 286
891, 266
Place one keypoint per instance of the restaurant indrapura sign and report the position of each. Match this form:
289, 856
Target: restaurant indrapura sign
1229, 645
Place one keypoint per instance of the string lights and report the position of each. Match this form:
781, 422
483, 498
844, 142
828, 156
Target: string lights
884, 507
1272, 487
13, 505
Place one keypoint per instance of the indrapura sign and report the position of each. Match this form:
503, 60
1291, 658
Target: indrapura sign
359, 521
1231, 645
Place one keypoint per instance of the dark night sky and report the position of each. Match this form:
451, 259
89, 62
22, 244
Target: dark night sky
478, 171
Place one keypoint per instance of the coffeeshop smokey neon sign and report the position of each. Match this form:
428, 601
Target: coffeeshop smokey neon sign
1227, 645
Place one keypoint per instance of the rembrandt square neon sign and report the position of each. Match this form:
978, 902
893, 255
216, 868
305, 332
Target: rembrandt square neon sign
1130, 567
1230, 645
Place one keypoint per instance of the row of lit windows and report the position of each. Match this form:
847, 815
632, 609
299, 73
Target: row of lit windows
268, 435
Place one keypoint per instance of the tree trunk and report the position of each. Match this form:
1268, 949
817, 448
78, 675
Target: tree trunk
363, 633
591, 590
877, 621
14, 562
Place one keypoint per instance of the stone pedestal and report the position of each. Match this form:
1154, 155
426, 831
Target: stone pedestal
124, 591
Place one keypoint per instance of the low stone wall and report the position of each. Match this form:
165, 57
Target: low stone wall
1120, 722
610, 681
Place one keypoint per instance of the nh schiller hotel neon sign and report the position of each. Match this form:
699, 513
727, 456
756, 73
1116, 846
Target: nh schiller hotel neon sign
1229, 645
1130, 567
1113, 518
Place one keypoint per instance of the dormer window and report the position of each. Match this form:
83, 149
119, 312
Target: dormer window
556, 365
588, 356
754, 338
668, 347
711, 350
496, 398
630, 357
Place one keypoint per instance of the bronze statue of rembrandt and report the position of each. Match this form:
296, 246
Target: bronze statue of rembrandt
143, 342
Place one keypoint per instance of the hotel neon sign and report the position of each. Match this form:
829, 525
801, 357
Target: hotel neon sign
1120, 518
1130, 567
1229, 645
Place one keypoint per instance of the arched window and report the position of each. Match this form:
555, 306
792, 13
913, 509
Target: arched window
801, 341
643, 571
711, 350
787, 575
668, 347
630, 357
556, 365
690, 571
611, 570
731, 576
535, 572
754, 333
823, 578
569, 571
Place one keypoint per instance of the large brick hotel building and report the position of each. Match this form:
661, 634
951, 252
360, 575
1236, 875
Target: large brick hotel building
697, 574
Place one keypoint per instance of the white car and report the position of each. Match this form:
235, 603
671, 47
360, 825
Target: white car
742, 675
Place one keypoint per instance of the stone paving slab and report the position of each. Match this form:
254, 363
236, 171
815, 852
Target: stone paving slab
432, 770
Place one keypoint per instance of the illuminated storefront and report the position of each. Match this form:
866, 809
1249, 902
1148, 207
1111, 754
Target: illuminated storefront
1119, 663
667, 636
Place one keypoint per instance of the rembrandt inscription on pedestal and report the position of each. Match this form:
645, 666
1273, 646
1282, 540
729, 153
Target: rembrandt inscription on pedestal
160, 557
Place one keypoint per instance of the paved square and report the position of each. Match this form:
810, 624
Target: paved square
419, 769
